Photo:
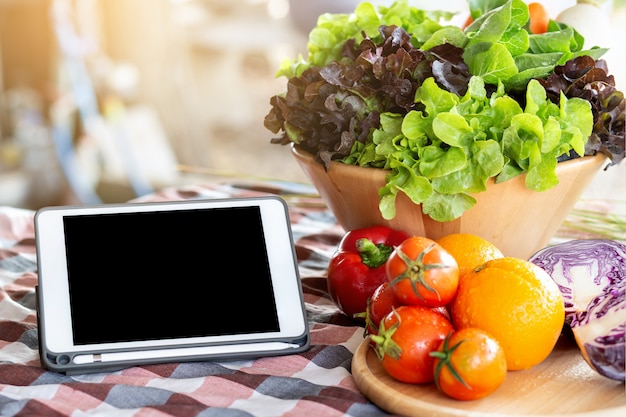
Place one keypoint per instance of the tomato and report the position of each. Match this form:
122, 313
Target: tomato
539, 18
423, 273
405, 340
357, 267
469, 364
381, 303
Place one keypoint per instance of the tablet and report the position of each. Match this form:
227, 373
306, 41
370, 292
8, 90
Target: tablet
130, 284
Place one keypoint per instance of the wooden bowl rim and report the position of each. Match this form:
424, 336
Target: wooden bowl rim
340, 166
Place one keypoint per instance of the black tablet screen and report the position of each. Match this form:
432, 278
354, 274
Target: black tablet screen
168, 274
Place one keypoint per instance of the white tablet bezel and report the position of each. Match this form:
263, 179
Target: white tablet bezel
54, 298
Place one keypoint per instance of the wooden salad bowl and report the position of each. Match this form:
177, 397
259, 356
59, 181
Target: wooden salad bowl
517, 220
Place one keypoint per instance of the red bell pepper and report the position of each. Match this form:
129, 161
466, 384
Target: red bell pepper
357, 267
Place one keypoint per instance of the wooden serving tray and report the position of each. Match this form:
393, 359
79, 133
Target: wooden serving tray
562, 385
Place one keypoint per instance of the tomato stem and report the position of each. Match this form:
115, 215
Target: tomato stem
415, 270
366, 315
383, 342
444, 357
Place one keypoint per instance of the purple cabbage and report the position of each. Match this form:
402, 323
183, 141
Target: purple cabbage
591, 274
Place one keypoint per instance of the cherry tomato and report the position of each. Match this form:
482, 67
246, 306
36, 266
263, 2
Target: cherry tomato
381, 303
469, 364
423, 273
405, 340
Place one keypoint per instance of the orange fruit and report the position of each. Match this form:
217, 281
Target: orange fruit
469, 251
517, 303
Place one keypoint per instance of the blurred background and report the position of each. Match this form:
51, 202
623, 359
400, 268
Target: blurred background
105, 100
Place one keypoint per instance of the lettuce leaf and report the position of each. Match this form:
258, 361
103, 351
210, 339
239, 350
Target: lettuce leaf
455, 144
500, 48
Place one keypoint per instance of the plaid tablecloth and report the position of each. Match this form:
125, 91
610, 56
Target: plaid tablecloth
314, 383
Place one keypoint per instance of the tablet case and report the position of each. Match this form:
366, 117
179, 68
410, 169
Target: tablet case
63, 363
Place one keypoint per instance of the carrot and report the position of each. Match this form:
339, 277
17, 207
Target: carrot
539, 18
467, 22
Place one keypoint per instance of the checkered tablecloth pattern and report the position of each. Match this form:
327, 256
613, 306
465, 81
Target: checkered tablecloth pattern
314, 383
